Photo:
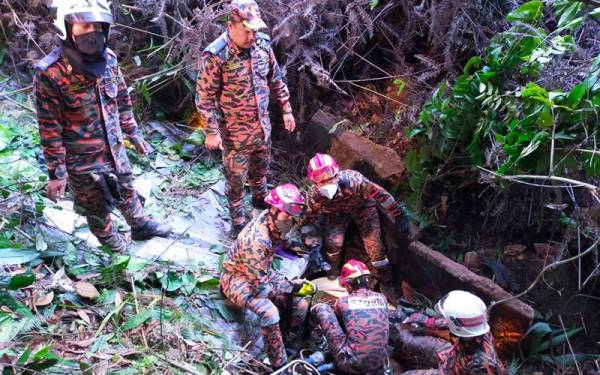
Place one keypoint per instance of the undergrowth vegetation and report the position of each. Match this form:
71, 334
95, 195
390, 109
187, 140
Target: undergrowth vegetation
497, 120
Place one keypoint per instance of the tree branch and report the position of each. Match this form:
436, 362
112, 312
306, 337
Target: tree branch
594, 190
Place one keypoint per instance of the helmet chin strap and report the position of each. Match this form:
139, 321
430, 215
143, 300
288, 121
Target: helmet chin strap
106, 29
69, 42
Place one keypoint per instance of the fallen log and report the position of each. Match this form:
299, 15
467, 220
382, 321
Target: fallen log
434, 274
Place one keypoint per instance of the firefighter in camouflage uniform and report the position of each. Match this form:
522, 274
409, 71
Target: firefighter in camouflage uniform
84, 115
472, 349
237, 73
344, 195
358, 344
249, 282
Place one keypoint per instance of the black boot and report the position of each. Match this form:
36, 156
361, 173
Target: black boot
152, 228
259, 203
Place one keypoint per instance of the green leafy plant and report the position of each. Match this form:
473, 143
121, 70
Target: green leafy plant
528, 12
115, 271
495, 116
541, 340
201, 175
136, 320
40, 360
400, 85
19, 169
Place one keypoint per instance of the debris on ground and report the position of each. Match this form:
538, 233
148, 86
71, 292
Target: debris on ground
500, 175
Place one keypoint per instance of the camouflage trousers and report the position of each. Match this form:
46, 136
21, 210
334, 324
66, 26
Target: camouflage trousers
278, 301
90, 202
367, 221
251, 162
344, 356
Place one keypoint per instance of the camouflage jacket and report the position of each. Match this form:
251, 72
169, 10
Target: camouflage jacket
476, 356
252, 254
82, 120
364, 316
355, 192
237, 84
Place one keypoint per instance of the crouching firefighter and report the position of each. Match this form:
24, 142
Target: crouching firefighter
341, 196
84, 114
359, 343
249, 282
471, 350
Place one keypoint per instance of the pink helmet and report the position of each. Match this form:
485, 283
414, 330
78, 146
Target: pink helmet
351, 270
287, 198
322, 167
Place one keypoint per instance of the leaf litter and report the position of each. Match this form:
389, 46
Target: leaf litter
156, 309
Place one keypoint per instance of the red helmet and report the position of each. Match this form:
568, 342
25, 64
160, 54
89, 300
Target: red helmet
351, 270
286, 198
322, 167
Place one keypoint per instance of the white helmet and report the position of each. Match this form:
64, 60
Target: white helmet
465, 312
80, 11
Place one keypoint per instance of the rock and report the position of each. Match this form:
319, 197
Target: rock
357, 152
330, 134
473, 261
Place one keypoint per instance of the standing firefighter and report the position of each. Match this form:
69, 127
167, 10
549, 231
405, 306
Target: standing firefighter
345, 195
238, 71
83, 110
472, 349
249, 282
359, 344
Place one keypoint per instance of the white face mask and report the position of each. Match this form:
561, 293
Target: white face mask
328, 190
